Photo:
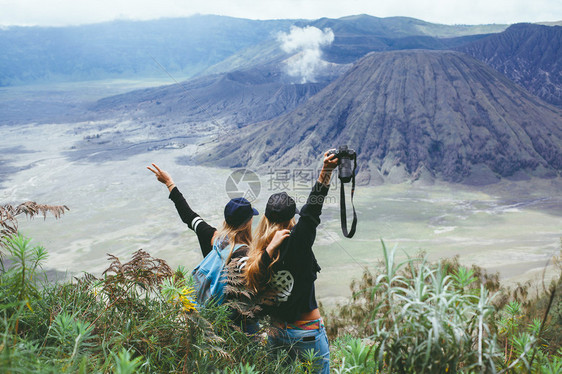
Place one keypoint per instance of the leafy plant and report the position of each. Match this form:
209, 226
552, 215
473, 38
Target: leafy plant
125, 364
423, 324
20, 268
72, 336
308, 362
241, 369
353, 355
180, 292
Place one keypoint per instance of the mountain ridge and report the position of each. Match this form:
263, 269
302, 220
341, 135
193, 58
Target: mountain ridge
229, 100
117, 49
411, 115
528, 54
184, 47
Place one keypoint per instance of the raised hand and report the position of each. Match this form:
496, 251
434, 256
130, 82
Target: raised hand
330, 160
162, 176
330, 163
277, 240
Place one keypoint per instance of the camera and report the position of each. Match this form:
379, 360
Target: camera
344, 156
346, 174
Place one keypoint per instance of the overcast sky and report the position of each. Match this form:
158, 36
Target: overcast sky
72, 12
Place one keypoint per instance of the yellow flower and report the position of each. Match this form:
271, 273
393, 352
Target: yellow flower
186, 298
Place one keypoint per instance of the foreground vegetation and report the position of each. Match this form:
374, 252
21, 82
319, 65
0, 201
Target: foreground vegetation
139, 316
414, 317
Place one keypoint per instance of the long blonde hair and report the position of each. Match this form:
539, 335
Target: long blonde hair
235, 235
256, 277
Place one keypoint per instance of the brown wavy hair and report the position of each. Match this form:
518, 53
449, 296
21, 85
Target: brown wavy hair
235, 235
256, 277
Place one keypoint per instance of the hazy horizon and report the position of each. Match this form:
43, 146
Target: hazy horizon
458, 12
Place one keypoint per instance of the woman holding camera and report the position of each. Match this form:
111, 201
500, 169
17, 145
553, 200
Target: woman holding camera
281, 270
236, 229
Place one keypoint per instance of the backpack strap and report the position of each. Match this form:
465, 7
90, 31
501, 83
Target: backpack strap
236, 247
223, 252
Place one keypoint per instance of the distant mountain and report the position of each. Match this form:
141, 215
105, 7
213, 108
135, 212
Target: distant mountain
186, 47
350, 48
118, 49
528, 54
346, 48
555, 23
411, 115
398, 27
358, 35
355, 36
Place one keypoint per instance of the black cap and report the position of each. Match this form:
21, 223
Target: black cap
238, 211
280, 207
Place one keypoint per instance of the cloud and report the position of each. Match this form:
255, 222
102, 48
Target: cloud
73, 12
306, 43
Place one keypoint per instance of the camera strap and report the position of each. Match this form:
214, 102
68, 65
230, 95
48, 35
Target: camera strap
342, 205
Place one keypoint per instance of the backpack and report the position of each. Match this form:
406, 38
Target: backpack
209, 275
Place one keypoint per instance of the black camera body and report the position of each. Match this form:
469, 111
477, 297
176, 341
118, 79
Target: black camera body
345, 157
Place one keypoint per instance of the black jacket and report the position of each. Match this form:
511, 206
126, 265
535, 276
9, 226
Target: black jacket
205, 234
202, 229
295, 272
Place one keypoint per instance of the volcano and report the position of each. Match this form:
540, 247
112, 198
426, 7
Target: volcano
411, 115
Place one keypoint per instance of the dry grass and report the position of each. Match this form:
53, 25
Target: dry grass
9, 215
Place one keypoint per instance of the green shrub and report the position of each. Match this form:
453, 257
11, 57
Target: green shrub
421, 317
140, 316
20, 269
353, 355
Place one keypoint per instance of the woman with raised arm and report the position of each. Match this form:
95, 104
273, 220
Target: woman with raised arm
281, 270
236, 229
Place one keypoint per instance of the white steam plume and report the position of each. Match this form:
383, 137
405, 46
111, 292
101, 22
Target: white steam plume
306, 42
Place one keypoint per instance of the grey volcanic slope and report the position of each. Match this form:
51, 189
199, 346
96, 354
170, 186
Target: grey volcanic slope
231, 99
530, 55
412, 113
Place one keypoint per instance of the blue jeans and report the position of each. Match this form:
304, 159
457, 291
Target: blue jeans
298, 341
251, 327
